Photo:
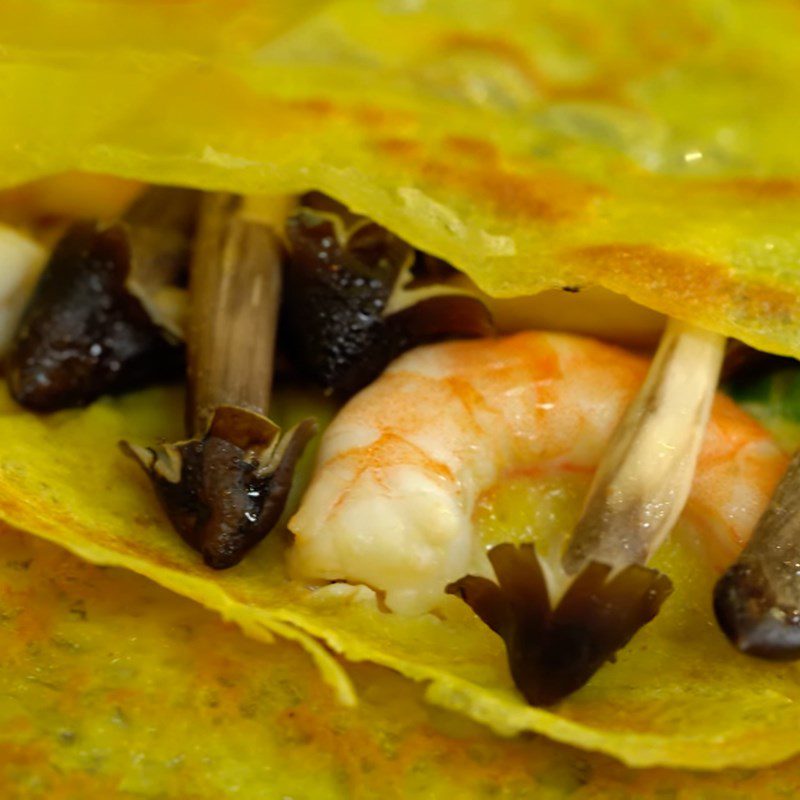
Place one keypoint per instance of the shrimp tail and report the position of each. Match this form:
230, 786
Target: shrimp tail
553, 651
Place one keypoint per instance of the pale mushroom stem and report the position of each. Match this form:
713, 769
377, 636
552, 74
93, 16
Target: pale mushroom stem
21, 261
644, 479
235, 293
605, 594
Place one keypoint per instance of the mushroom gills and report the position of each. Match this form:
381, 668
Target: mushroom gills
553, 651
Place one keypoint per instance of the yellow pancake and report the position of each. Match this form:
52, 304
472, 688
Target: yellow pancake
111, 687
646, 148
677, 696
649, 148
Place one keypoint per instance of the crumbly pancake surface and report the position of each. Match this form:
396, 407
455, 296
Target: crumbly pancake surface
112, 687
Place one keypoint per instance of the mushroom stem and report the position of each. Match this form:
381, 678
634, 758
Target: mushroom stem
644, 479
556, 644
160, 224
225, 488
235, 293
21, 260
757, 601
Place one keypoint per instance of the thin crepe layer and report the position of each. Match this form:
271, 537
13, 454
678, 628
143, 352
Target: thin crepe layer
650, 149
111, 687
677, 696
646, 149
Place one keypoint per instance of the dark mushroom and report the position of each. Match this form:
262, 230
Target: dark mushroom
225, 488
353, 299
637, 494
744, 364
552, 651
757, 601
99, 320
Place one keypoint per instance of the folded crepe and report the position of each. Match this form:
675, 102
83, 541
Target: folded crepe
114, 687
644, 150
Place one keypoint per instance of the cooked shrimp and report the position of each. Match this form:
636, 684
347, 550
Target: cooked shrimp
401, 467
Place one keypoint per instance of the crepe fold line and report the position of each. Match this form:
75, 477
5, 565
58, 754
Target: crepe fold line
530, 147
